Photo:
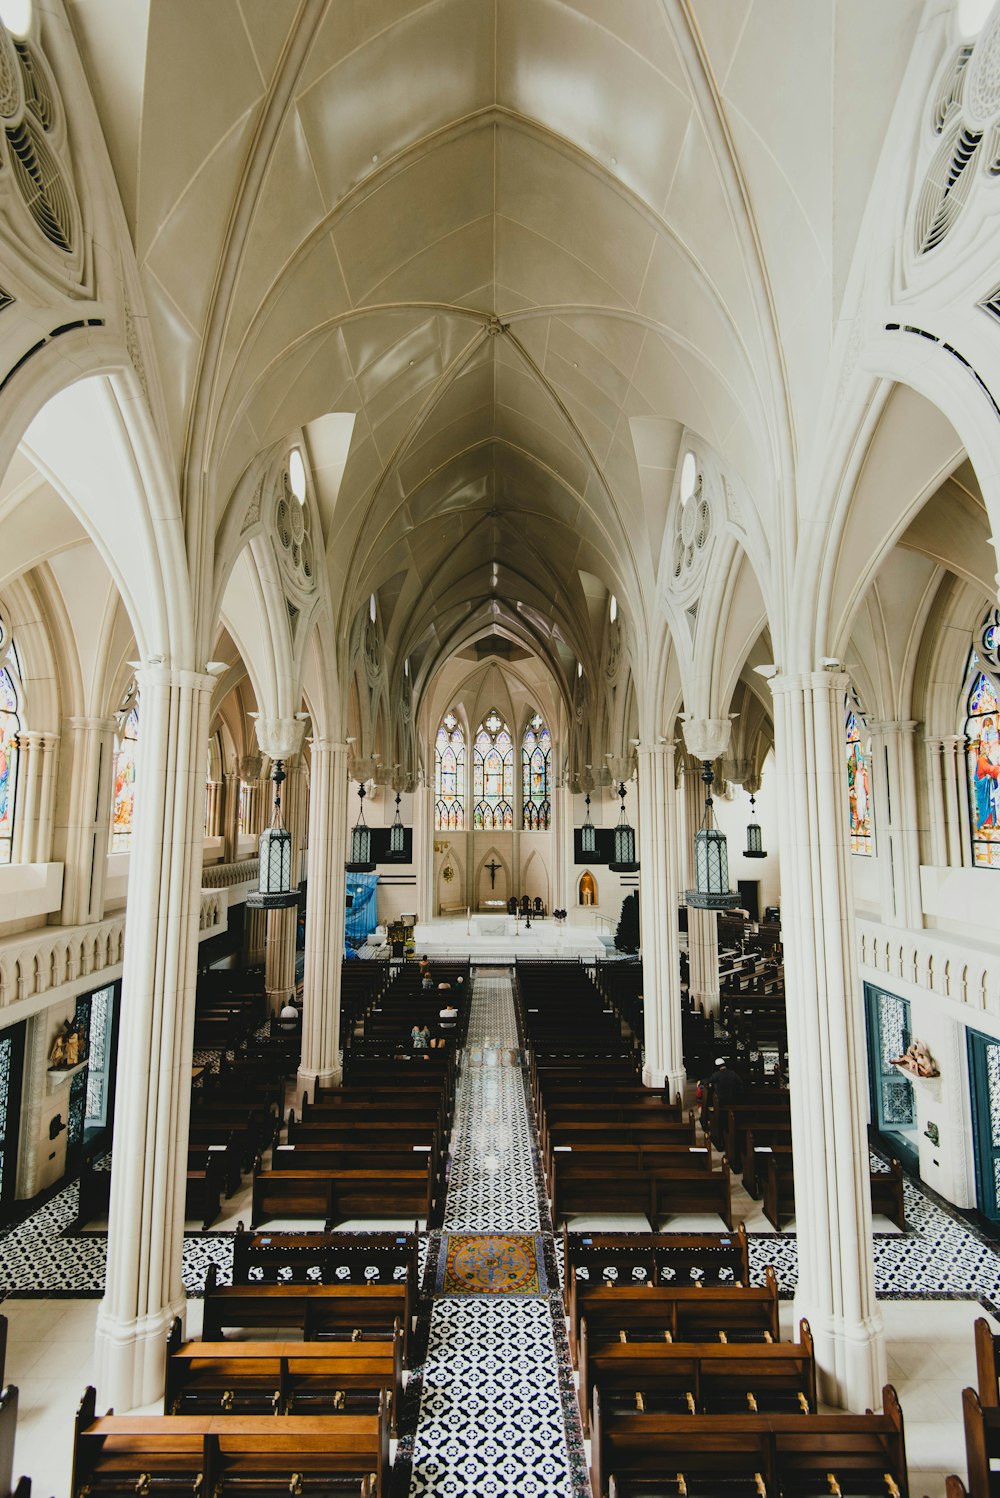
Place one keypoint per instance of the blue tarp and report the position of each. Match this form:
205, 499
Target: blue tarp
360, 914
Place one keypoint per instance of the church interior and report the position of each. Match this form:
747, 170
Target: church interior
499, 748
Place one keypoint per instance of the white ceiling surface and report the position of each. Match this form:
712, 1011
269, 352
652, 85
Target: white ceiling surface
540, 161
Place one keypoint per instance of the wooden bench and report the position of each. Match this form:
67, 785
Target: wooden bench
703, 1377
282, 1378
655, 1258
982, 1444
339, 1312
755, 1147
987, 1364
213, 1455
202, 1202
779, 1190
686, 1312
334, 1196
657, 1190
8, 1426
383, 1258
849, 1454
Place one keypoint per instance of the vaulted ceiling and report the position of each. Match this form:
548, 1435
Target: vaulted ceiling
492, 257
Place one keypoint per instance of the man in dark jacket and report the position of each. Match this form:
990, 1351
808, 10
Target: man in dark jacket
718, 1092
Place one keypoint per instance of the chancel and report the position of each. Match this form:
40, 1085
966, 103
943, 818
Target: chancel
495, 423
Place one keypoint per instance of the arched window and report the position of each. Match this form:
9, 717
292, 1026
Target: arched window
493, 776
536, 759
449, 776
859, 781
982, 731
123, 799
10, 727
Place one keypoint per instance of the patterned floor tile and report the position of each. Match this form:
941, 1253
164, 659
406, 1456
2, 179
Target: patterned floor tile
491, 1264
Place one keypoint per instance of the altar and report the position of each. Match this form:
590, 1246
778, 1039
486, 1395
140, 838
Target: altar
497, 937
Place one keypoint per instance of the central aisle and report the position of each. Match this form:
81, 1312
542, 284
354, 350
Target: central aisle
496, 1387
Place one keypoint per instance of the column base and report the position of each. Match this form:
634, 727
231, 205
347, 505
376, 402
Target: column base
277, 998
851, 1363
307, 1081
706, 999
674, 1081
128, 1357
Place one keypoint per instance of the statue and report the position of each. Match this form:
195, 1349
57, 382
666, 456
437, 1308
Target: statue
917, 1060
68, 1048
57, 1055
493, 867
74, 1048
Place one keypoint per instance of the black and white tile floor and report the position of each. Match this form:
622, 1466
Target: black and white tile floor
497, 1415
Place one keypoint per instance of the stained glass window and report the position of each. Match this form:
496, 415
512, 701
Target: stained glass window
859, 786
449, 776
536, 759
982, 729
123, 802
10, 725
493, 776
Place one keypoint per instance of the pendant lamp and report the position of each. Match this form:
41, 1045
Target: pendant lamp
754, 847
361, 842
588, 832
711, 860
624, 860
397, 835
274, 881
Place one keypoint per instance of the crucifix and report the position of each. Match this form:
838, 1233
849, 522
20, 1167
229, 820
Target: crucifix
493, 866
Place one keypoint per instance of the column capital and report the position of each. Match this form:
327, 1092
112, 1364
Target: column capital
808, 681
95, 725
894, 726
173, 677
664, 746
707, 738
327, 746
280, 738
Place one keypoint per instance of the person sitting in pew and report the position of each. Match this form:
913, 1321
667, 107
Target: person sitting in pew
420, 1039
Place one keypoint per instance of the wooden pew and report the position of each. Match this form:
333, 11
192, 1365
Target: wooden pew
203, 1199
334, 1196
687, 1312
656, 1190
712, 1377
8, 1425
383, 1258
756, 1145
863, 1454
330, 1311
779, 1190
214, 1455
987, 1364
282, 1378
655, 1258
982, 1443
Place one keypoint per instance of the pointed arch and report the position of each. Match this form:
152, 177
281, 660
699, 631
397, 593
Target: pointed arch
493, 775
536, 776
449, 775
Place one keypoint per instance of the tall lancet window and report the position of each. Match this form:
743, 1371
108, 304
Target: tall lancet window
982, 733
449, 776
536, 761
126, 747
859, 779
10, 727
493, 776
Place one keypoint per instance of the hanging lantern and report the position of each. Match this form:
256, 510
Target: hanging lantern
711, 860
361, 842
624, 859
588, 832
274, 881
397, 835
754, 848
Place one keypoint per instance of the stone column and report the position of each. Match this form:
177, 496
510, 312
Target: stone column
897, 823
87, 828
143, 1286
661, 979
562, 834
231, 817
281, 738
827, 1063
33, 817
703, 925
325, 921
213, 808
936, 803
957, 799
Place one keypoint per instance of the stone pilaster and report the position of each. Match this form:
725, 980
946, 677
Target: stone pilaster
143, 1286
85, 834
827, 1063
664, 1059
325, 920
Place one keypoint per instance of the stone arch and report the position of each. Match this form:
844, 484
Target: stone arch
586, 889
